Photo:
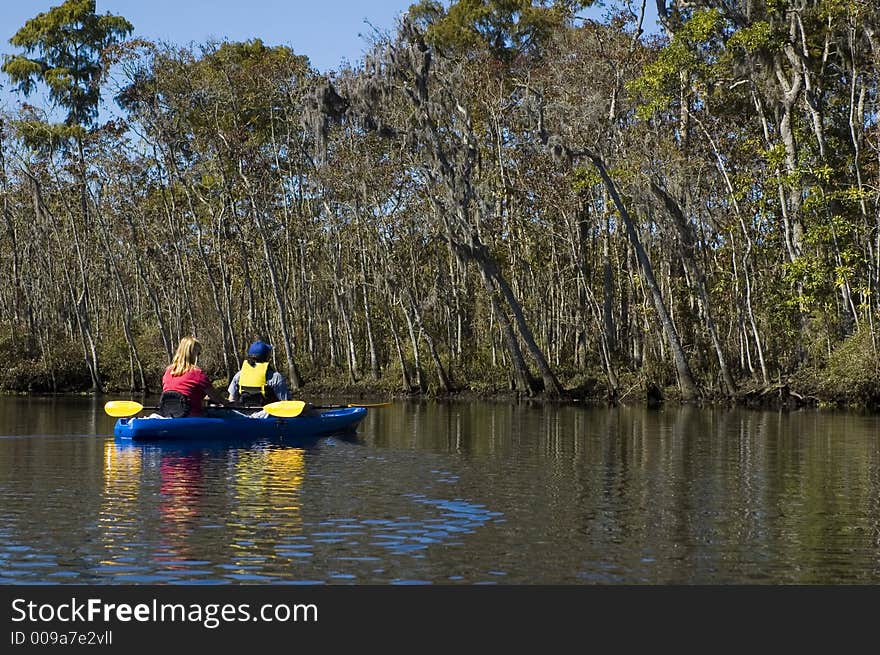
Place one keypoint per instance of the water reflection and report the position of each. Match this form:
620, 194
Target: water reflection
677, 495
180, 493
266, 510
467, 493
53, 415
118, 517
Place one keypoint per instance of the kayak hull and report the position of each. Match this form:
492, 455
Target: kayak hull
237, 426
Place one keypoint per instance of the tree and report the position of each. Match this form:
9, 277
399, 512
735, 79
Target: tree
66, 45
506, 28
441, 129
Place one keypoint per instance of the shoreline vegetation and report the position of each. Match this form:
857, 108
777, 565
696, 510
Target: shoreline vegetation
502, 199
780, 395
777, 397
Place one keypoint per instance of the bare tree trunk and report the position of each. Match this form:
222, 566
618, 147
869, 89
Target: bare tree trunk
134, 355
609, 336
78, 303
420, 374
215, 293
404, 371
375, 370
443, 378
353, 368
722, 167
696, 273
687, 384
494, 280
293, 373
151, 292
10, 228
331, 339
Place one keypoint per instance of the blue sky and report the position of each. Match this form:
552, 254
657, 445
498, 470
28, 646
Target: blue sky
328, 32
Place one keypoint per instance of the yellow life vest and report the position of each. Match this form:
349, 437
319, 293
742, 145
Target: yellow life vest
253, 378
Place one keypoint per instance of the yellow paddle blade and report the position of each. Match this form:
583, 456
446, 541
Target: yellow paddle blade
285, 408
122, 408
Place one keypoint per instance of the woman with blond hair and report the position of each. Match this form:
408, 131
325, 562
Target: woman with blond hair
185, 385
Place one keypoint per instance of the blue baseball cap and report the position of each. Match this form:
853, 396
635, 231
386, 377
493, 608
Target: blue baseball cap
259, 350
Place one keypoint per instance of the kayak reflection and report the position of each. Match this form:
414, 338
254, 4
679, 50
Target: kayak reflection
180, 491
254, 485
118, 517
267, 507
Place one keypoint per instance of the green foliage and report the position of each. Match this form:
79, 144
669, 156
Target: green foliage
46, 138
228, 102
28, 371
660, 81
814, 276
774, 156
115, 356
584, 178
849, 376
505, 28
827, 231
752, 38
24, 70
66, 43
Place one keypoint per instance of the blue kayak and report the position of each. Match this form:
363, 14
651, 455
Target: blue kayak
236, 426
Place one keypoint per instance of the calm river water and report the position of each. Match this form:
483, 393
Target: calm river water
457, 493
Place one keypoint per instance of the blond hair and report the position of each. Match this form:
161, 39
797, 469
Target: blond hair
185, 358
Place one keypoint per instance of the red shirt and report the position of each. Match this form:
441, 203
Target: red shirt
191, 384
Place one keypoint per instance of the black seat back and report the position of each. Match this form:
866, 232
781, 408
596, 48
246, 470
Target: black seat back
173, 404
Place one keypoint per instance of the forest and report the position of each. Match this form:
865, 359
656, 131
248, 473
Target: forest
501, 197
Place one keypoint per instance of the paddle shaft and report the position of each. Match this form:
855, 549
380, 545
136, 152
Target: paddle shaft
351, 405
279, 408
212, 406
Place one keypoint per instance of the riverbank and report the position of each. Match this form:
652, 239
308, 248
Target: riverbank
780, 395
846, 378
784, 394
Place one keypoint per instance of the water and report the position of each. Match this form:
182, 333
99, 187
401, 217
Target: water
459, 493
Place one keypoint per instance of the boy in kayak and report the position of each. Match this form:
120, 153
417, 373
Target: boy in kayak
185, 385
258, 383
